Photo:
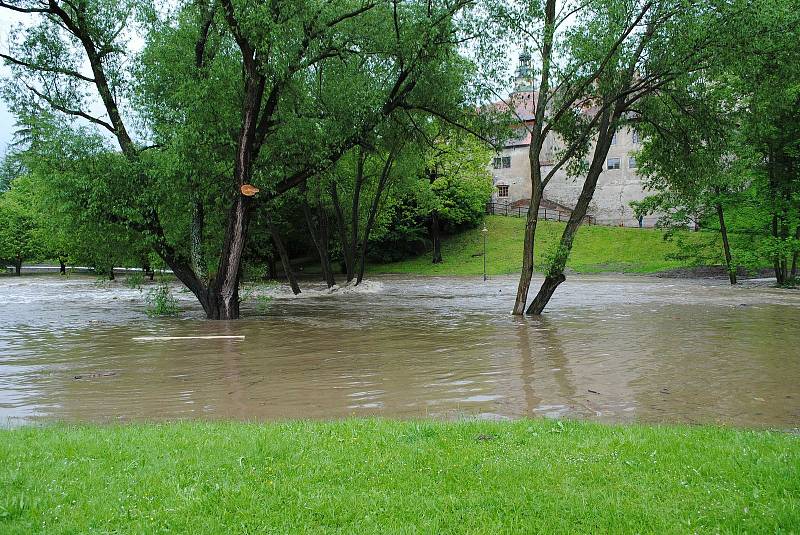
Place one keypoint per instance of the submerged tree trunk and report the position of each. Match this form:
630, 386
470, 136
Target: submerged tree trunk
271, 271
436, 238
111, 275
284, 255
373, 210
62, 267
777, 260
356, 211
319, 235
342, 227
18, 266
723, 230
526, 274
555, 271
224, 289
325, 239
796, 254
534, 153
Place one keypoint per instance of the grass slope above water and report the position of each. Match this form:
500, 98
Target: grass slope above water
376, 476
596, 249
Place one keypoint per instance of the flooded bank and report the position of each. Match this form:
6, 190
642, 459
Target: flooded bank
611, 348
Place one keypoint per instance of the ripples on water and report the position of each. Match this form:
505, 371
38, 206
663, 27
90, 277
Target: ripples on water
610, 348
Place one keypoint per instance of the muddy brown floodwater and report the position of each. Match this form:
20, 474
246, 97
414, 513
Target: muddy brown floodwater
610, 349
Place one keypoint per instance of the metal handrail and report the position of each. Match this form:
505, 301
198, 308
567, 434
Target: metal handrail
550, 214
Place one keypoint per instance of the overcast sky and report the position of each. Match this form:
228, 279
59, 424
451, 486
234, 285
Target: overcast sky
7, 18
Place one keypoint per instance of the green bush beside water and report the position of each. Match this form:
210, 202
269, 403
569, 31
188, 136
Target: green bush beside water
376, 476
161, 302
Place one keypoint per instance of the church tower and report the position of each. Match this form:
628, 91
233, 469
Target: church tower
524, 75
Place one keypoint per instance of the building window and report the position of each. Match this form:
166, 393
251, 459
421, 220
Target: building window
506, 161
614, 139
613, 163
502, 191
632, 162
498, 163
636, 137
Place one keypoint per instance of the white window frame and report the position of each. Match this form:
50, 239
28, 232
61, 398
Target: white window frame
611, 166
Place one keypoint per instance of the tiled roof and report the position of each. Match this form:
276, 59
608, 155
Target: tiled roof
524, 103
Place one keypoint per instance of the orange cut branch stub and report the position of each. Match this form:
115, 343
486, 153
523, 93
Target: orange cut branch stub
248, 190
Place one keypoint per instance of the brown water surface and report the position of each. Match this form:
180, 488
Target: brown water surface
611, 348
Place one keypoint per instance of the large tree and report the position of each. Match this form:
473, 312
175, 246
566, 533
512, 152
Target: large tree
597, 60
231, 95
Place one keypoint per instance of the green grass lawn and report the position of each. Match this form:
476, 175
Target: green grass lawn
376, 476
596, 249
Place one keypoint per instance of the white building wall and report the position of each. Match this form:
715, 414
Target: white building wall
616, 188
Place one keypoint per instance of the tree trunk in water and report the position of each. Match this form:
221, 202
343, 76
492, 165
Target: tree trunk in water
777, 260
435, 237
287, 267
796, 255
62, 267
111, 276
723, 230
324, 239
534, 153
546, 291
147, 271
18, 267
356, 211
319, 235
342, 227
528, 247
271, 271
222, 300
555, 273
373, 210
224, 289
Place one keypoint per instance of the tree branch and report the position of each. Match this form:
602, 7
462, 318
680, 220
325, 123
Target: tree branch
68, 111
43, 68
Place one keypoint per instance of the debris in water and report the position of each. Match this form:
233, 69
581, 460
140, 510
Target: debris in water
166, 338
93, 375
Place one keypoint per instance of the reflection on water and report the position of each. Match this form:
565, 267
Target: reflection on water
611, 349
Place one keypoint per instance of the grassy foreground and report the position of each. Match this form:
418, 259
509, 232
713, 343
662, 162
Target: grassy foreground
375, 476
596, 249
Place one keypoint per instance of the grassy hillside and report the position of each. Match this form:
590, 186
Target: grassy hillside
380, 476
596, 249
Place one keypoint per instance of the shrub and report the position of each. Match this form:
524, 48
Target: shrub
161, 302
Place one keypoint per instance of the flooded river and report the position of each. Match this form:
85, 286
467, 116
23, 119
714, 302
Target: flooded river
611, 348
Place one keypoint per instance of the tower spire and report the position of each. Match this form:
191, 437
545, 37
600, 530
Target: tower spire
524, 73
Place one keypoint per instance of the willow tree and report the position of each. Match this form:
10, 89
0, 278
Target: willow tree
596, 60
236, 96
689, 159
764, 73
563, 101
